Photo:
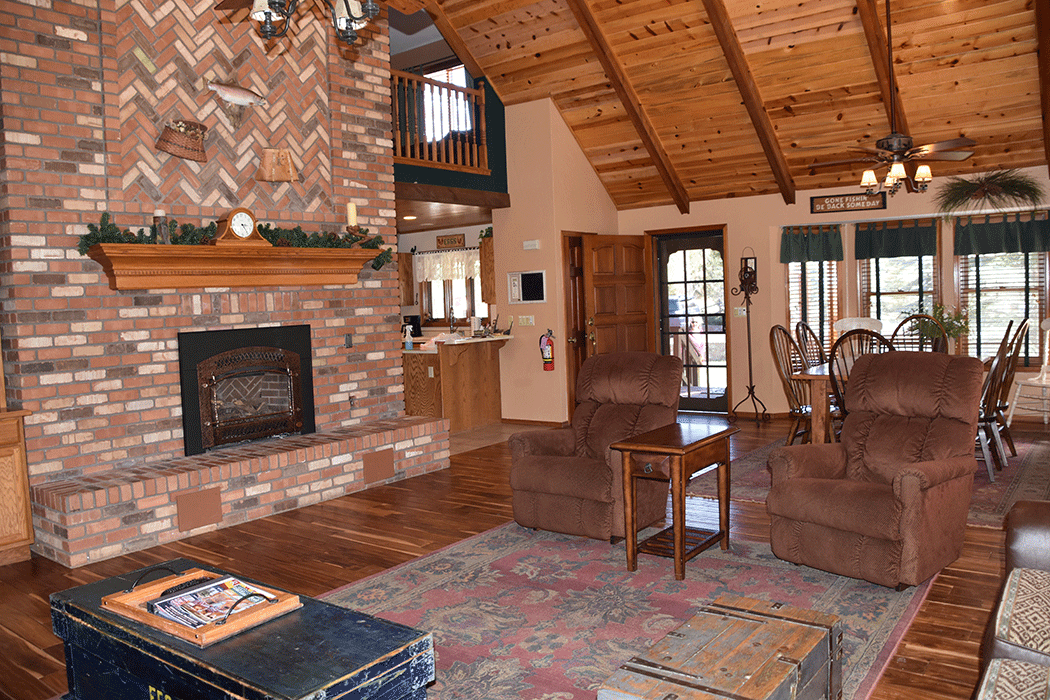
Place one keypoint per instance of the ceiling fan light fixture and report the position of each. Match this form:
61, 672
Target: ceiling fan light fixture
897, 171
869, 180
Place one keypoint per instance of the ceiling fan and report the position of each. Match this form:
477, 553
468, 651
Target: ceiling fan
897, 149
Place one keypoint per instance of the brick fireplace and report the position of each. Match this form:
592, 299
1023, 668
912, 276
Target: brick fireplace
87, 90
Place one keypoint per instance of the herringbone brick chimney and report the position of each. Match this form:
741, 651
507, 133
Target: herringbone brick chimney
87, 89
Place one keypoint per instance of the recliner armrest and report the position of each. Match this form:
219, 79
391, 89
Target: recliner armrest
935, 471
822, 461
558, 441
1028, 535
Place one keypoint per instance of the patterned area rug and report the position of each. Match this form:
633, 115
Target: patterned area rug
529, 614
1026, 476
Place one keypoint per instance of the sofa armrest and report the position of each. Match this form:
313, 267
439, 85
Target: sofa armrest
1028, 535
823, 461
558, 441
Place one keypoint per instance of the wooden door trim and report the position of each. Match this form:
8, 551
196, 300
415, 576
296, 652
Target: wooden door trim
567, 351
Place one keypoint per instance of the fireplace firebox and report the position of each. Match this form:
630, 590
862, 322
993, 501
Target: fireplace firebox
245, 384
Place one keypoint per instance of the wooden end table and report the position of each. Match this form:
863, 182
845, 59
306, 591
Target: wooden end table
694, 447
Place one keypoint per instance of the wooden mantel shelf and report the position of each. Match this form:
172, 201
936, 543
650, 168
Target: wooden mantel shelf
152, 266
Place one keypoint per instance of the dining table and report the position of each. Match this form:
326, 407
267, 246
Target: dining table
819, 378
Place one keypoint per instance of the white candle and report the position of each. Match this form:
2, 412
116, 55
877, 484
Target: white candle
351, 214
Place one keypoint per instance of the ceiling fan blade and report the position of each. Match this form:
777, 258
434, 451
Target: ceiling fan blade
922, 151
947, 155
874, 151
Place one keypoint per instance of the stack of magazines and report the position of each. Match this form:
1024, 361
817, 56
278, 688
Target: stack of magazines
208, 602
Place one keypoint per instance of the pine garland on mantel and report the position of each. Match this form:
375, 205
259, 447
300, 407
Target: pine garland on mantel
187, 234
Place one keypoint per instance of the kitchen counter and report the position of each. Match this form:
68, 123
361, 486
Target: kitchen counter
417, 347
455, 380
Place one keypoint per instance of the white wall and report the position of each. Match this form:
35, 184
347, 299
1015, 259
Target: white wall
552, 189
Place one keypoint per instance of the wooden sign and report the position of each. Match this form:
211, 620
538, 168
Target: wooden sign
455, 240
846, 202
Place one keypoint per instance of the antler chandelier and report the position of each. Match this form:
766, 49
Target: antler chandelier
348, 16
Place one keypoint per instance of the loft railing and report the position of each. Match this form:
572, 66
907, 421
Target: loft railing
438, 125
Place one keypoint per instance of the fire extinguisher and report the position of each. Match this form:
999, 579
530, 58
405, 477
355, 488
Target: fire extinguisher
547, 350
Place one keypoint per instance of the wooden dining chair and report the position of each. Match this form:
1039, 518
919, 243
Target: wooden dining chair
920, 332
988, 439
789, 359
847, 349
1034, 393
810, 344
1003, 405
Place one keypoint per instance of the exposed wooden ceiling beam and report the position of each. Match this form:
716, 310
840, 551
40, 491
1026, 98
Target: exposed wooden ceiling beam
452, 38
745, 82
876, 36
1042, 23
621, 84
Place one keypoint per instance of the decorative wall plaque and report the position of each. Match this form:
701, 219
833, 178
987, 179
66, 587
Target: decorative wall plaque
846, 202
454, 240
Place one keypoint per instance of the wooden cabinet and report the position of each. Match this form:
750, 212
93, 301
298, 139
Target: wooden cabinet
16, 520
488, 270
406, 277
459, 382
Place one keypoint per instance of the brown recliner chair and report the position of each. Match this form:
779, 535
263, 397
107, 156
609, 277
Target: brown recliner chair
889, 502
567, 479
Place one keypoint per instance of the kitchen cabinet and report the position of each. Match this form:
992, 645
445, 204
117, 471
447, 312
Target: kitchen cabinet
406, 277
488, 270
457, 381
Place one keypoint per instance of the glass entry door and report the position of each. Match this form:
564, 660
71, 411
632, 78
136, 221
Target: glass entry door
693, 316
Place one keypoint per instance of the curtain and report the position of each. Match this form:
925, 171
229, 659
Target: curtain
1009, 233
806, 243
460, 263
896, 239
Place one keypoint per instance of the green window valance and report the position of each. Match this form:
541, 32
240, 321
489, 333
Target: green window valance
810, 243
1007, 233
896, 239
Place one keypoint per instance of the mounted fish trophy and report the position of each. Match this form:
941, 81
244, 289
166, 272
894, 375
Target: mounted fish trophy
235, 99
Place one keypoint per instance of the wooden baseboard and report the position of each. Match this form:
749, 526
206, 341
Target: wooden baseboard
538, 423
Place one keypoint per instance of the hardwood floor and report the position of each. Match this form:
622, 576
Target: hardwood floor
316, 549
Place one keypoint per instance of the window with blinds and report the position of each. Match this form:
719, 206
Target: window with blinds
813, 297
892, 289
996, 288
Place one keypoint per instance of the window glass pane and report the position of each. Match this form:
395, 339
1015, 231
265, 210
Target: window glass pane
437, 299
481, 309
676, 267
813, 298
998, 288
460, 301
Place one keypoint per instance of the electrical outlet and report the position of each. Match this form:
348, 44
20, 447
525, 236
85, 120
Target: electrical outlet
348, 341
351, 402
740, 311
430, 372
527, 320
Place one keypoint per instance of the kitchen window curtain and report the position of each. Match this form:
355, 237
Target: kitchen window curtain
461, 263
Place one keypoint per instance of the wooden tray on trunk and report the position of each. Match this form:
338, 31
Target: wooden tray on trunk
133, 605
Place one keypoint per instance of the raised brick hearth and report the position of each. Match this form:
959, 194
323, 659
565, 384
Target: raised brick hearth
90, 518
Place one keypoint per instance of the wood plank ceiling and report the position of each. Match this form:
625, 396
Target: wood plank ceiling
674, 101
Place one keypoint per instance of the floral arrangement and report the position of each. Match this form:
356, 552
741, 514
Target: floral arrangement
187, 234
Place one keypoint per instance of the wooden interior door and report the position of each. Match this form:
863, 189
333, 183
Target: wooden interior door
575, 311
618, 294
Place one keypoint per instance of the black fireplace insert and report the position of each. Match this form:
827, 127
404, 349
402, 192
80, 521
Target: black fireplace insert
245, 384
